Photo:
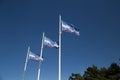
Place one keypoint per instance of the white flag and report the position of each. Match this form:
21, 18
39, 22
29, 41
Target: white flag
69, 28
50, 43
35, 57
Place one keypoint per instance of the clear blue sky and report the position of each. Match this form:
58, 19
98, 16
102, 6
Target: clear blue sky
23, 21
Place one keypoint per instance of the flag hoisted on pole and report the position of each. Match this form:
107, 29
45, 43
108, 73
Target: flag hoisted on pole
40, 57
48, 42
63, 26
30, 56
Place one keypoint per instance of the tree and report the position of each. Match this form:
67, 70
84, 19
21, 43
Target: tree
103, 73
76, 77
93, 73
113, 72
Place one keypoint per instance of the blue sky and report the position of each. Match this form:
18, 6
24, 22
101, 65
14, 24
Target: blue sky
22, 23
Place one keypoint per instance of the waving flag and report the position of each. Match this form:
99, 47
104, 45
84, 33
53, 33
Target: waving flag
50, 43
69, 28
35, 57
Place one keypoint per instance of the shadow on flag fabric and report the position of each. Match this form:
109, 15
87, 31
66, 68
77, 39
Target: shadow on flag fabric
69, 28
50, 43
35, 57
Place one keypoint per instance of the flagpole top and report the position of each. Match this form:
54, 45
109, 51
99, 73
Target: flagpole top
59, 15
28, 47
43, 32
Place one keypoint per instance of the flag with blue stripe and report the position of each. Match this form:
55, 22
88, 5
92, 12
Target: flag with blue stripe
50, 43
35, 57
69, 28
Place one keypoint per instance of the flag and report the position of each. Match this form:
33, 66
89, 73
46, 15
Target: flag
50, 43
35, 57
69, 28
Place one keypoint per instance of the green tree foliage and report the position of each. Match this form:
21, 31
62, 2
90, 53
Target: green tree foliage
113, 72
75, 77
93, 73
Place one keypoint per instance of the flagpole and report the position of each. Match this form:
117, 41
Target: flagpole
25, 63
59, 61
40, 57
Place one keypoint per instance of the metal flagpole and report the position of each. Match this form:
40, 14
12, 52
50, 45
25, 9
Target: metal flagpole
59, 61
25, 63
40, 57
